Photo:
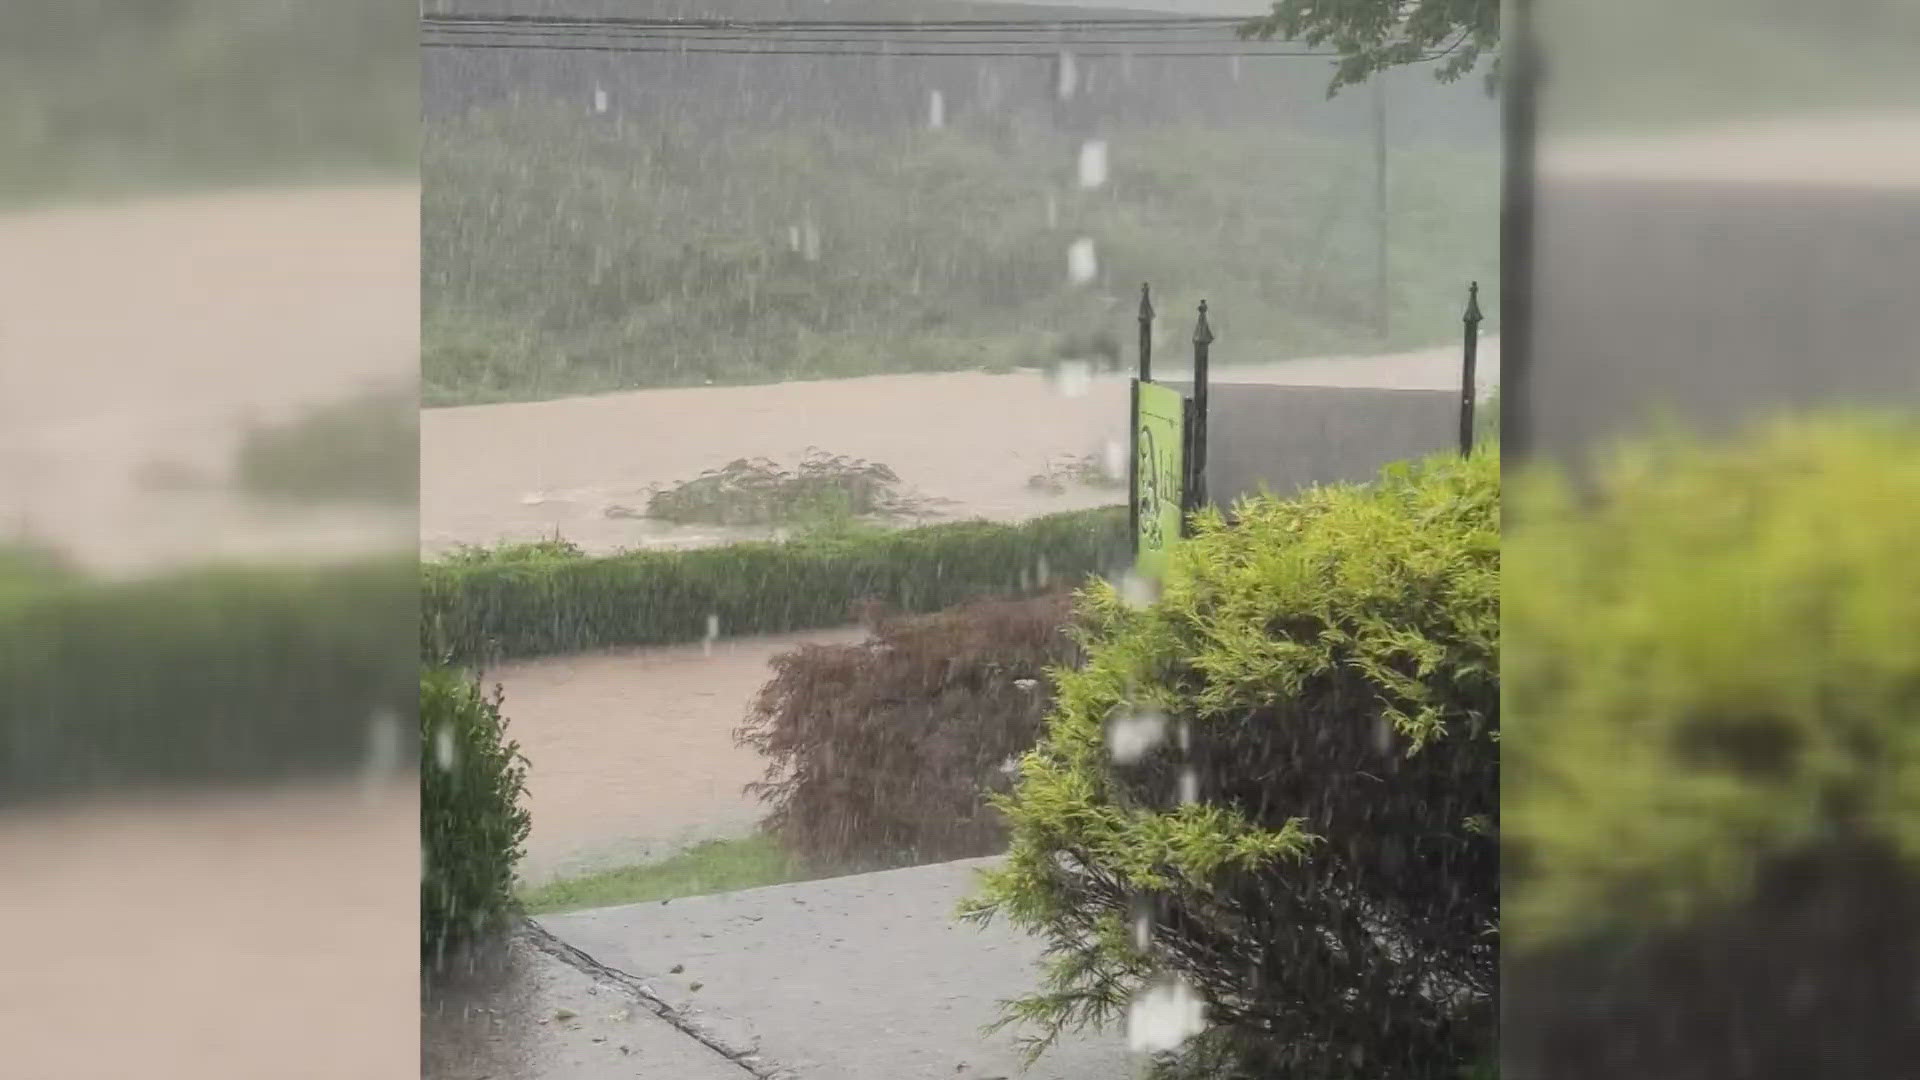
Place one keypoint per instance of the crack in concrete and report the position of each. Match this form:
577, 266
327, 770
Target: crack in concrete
749, 1061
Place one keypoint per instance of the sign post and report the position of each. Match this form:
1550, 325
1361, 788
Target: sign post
1159, 474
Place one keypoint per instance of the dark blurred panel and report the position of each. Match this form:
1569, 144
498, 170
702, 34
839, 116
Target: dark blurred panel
1727, 214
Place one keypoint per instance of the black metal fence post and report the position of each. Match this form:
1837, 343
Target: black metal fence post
1146, 334
1468, 390
1197, 442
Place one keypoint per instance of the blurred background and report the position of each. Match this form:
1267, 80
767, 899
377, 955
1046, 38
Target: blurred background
208, 464
1712, 848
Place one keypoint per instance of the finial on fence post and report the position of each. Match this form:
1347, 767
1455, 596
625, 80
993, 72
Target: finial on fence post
1469, 389
1146, 333
1197, 437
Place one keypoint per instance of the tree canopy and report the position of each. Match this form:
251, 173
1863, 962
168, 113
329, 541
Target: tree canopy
1372, 35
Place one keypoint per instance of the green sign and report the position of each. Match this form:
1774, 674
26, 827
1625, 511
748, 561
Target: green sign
1159, 422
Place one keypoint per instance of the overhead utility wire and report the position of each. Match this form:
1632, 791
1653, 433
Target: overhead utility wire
1037, 25
1039, 53
646, 35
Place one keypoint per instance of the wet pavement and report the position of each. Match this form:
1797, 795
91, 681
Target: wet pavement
867, 977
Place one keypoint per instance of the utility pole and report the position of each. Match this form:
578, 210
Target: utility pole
1382, 304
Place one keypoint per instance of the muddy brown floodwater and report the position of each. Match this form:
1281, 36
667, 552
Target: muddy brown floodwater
528, 470
631, 752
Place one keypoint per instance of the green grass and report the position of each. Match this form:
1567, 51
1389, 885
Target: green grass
714, 867
566, 257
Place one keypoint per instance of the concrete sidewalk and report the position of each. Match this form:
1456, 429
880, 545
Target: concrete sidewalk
868, 977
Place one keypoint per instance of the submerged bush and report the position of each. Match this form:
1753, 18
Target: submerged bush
884, 752
362, 449
472, 826
760, 492
1332, 665
1713, 800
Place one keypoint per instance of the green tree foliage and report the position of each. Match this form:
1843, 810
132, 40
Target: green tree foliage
562, 256
1333, 892
1372, 35
1713, 799
116, 96
472, 826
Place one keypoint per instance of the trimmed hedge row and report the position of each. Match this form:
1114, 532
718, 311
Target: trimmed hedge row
539, 606
210, 675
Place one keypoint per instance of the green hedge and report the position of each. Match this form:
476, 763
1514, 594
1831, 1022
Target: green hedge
209, 675
472, 826
536, 606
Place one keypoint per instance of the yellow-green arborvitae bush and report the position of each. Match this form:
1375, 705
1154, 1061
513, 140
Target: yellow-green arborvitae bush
1331, 664
1712, 770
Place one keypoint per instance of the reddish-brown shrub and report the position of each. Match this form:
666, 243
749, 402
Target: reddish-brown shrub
883, 753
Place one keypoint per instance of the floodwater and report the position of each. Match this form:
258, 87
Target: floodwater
142, 337
631, 751
526, 471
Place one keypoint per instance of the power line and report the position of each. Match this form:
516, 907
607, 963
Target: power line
619, 34
934, 25
1036, 53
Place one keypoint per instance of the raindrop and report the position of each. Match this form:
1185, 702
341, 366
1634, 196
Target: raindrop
936, 110
1186, 736
1139, 591
443, 748
1382, 735
599, 100
793, 238
1142, 906
1082, 263
1067, 77
1073, 378
1165, 1016
1131, 734
1043, 571
810, 241
1115, 459
1189, 783
1093, 163
1235, 62
383, 745
1053, 211
713, 634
